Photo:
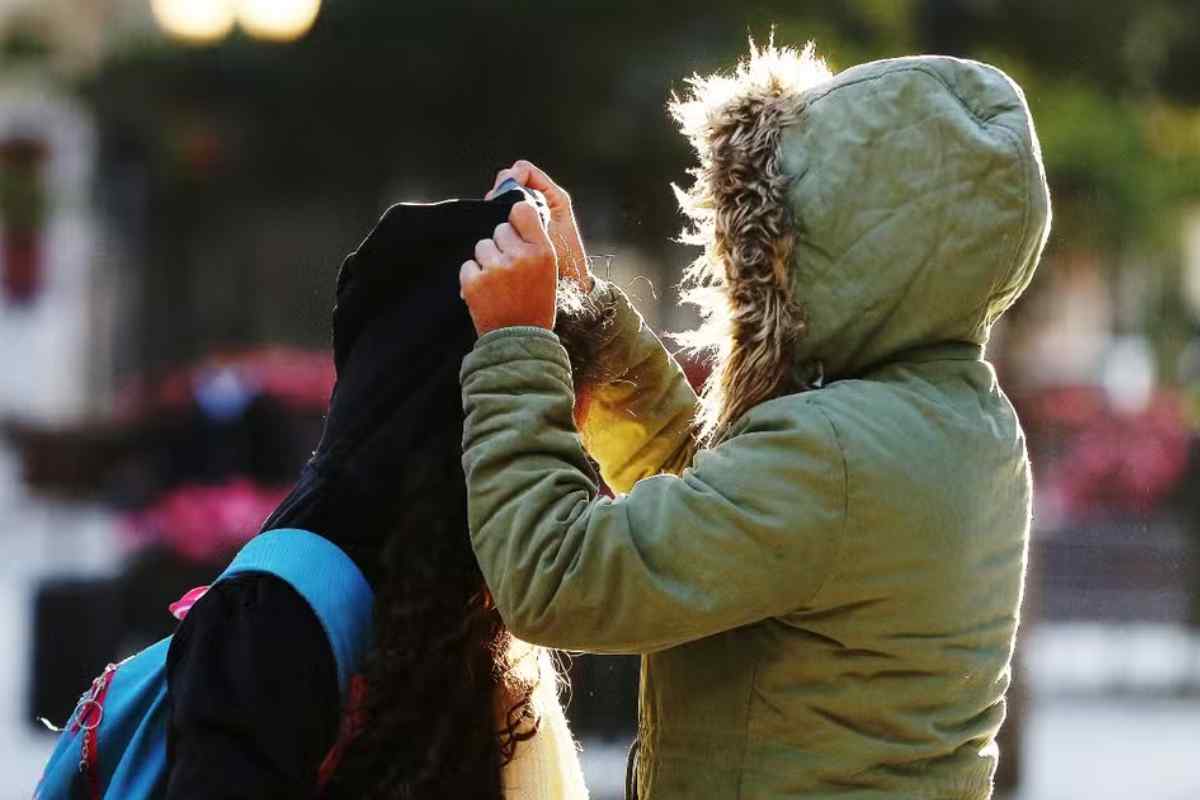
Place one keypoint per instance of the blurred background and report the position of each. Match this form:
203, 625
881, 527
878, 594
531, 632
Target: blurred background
179, 180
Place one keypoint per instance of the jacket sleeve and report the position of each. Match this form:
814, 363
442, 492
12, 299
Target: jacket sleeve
748, 532
252, 692
636, 408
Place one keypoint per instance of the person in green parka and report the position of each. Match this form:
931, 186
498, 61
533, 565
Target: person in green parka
821, 558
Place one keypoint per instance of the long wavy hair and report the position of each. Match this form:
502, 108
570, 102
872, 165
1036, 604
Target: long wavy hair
441, 665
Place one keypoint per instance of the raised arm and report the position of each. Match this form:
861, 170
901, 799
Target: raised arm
748, 532
634, 406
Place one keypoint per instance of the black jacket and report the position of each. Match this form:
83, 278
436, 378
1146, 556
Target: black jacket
252, 688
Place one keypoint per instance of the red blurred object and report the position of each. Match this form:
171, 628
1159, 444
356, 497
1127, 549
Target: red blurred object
205, 523
23, 205
300, 379
22, 265
1093, 461
696, 366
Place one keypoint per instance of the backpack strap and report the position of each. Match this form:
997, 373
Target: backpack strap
328, 580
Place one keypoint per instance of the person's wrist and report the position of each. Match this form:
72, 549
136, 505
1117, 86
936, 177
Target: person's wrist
576, 269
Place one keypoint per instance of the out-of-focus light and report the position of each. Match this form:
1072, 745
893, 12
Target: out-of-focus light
1129, 375
277, 20
198, 21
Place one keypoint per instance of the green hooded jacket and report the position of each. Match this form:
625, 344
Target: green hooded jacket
827, 600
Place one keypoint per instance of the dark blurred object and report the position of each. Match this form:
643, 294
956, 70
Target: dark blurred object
70, 462
603, 700
23, 203
949, 26
77, 629
1012, 736
1131, 569
154, 578
1186, 503
255, 414
1008, 768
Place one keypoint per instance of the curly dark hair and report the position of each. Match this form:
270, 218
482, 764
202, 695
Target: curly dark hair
387, 483
440, 666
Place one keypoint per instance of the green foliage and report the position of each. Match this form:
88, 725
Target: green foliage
1115, 180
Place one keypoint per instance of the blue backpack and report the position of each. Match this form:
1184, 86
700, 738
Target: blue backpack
114, 746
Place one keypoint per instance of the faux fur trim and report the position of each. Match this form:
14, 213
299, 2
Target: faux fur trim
740, 215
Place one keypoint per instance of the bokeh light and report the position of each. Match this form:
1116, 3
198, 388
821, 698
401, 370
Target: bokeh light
277, 20
195, 21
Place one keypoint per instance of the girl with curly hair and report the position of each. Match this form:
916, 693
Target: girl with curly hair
450, 705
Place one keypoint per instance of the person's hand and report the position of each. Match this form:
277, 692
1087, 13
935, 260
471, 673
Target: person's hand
513, 278
564, 232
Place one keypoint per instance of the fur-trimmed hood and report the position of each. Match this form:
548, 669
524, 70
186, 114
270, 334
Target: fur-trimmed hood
849, 221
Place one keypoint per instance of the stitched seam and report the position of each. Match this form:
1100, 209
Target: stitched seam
556, 356
518, 361
533, 332
841, 543
524, 359
746, 731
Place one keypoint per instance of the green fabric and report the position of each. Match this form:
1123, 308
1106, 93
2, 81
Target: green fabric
827, 601
921, 206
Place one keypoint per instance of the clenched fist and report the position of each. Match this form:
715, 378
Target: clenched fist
513, 278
